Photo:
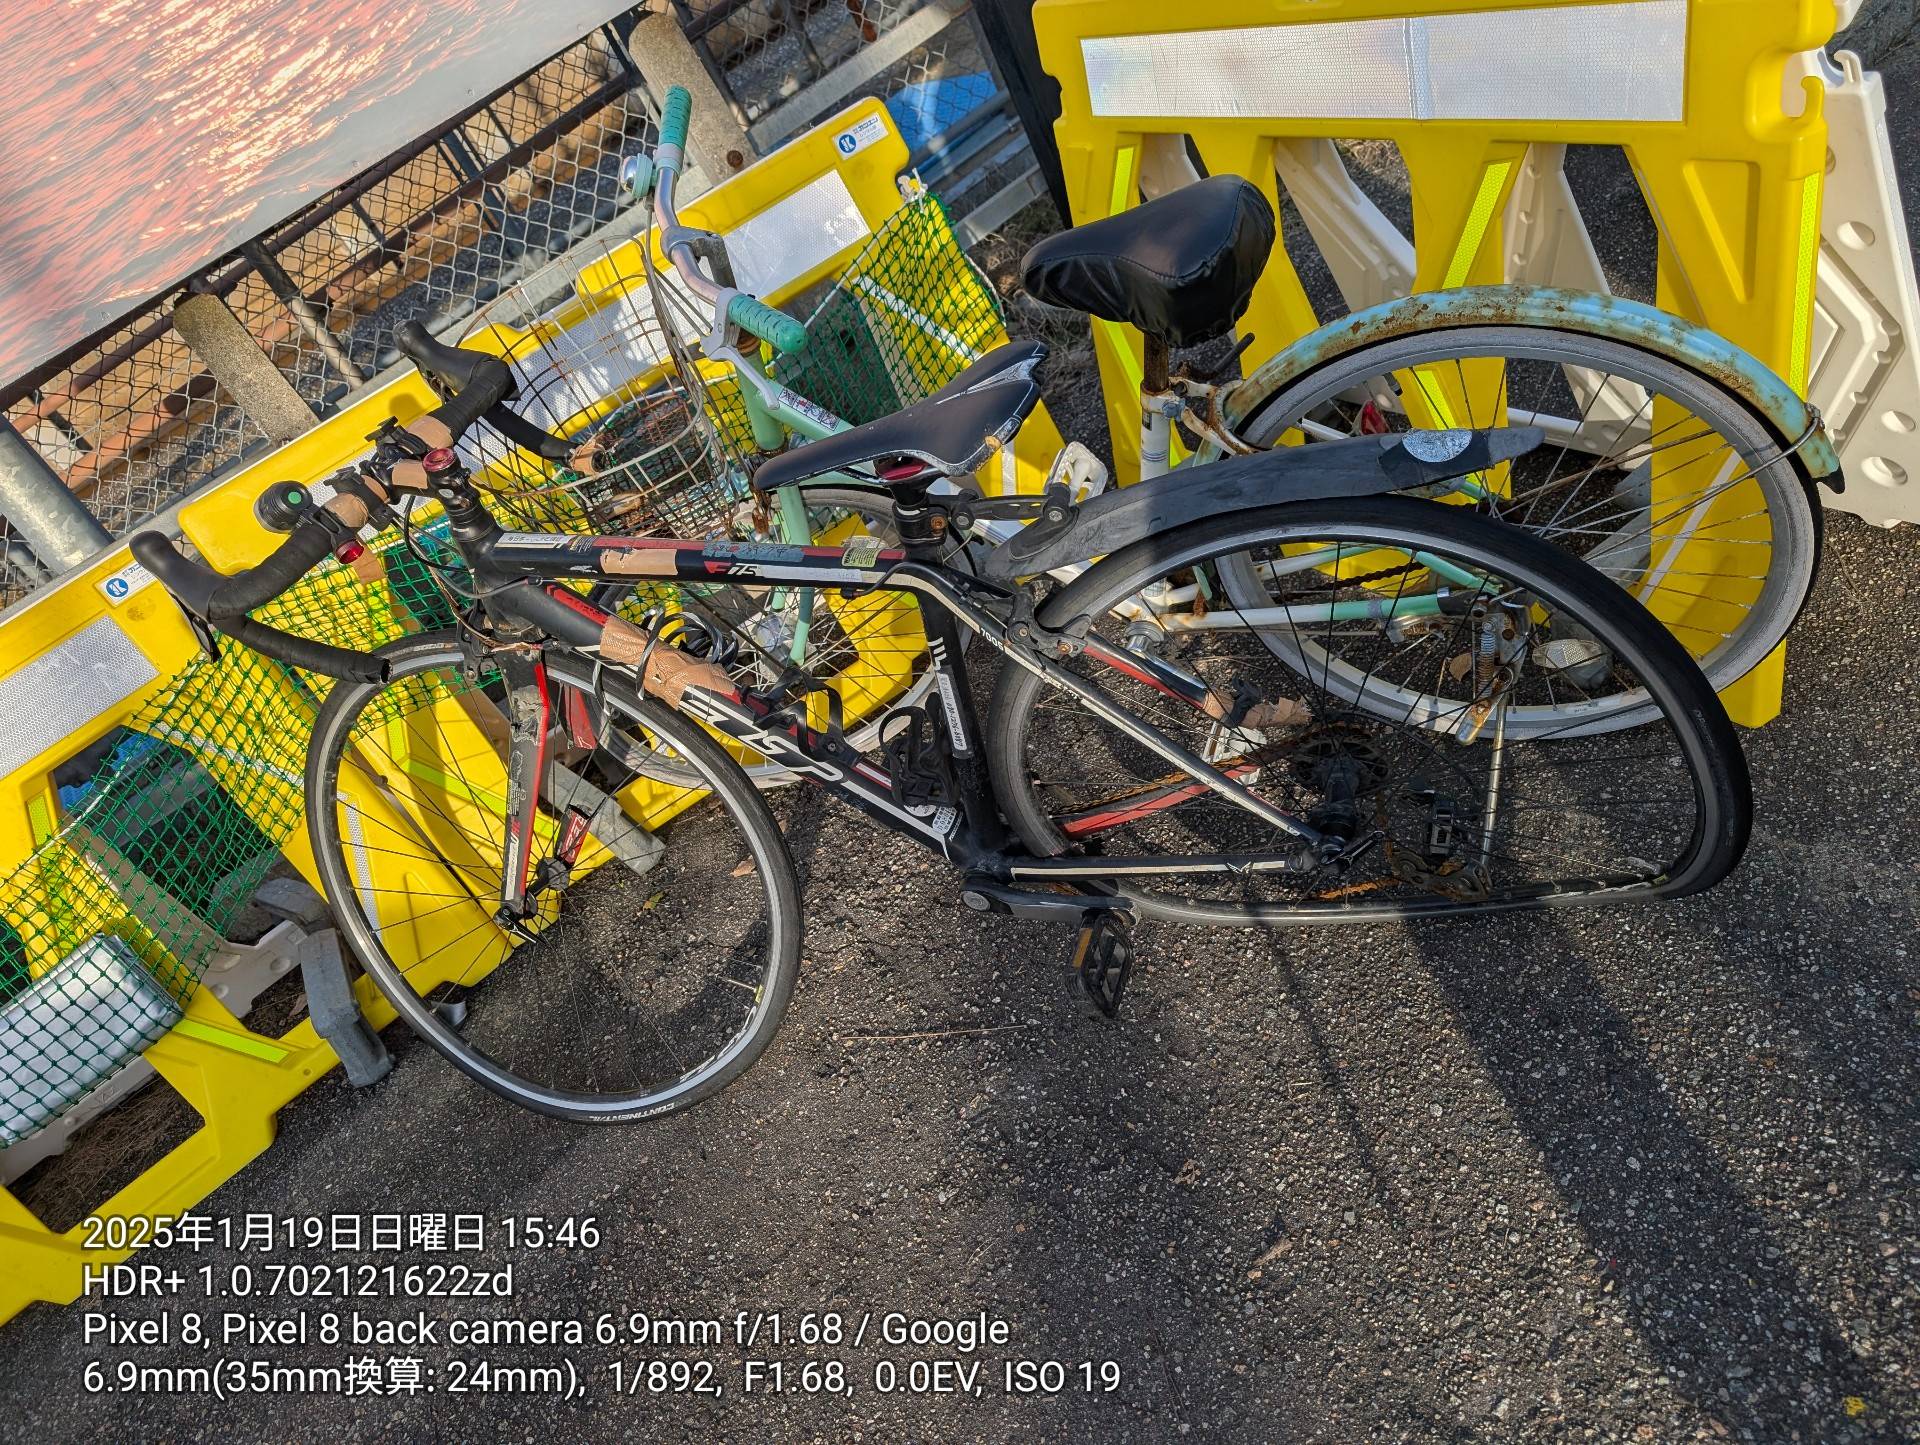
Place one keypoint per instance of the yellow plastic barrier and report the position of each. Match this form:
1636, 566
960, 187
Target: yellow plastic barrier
115, 644
800, 218
1691, 89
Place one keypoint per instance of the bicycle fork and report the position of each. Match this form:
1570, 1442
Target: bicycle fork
530, 714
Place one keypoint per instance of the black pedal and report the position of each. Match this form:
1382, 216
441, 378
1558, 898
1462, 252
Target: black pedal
1103, 958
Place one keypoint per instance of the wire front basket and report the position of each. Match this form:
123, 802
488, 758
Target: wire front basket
598, 364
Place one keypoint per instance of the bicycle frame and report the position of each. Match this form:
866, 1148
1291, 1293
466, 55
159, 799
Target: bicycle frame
523, 575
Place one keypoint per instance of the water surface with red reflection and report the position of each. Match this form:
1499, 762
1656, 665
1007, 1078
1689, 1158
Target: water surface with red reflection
140, 139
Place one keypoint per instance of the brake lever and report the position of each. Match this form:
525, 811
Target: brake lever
712, 249
201, 629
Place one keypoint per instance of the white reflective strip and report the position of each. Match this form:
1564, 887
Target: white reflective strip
194, 743
791, 237
363, 873
1574, 62
63, 689
920, 321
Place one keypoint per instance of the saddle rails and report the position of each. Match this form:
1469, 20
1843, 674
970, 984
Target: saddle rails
1692, 90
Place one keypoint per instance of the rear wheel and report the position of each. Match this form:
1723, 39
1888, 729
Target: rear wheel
1658, 477
1425, 799
658, 962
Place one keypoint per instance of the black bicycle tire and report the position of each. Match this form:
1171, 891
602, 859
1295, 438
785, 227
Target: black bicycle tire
736, 793
1723, 787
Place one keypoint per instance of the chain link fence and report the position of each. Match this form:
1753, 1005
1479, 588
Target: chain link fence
786, 64
772, 57
431, 233
438, 229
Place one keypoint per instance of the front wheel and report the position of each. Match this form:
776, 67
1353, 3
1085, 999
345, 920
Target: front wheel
664, 938
1397, 754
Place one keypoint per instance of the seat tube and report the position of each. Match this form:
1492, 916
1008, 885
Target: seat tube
953, 688
1156, 420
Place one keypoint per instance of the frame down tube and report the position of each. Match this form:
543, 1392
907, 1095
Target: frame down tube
966, 832
796, 747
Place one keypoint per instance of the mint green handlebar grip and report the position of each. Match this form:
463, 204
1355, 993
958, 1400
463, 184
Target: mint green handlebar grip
674, 117
751, 314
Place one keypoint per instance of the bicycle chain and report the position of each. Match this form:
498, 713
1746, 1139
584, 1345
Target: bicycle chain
1382, 575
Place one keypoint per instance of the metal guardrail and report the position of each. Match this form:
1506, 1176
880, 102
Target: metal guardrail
132, 420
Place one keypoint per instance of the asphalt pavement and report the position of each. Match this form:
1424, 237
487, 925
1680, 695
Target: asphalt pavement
1642, 1175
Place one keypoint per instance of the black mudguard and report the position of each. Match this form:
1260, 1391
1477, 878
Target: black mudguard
1359, 467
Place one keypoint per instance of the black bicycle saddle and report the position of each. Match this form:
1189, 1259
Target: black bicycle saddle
951, 431
1181, 268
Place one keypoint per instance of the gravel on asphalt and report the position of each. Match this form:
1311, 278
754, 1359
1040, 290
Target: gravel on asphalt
1620, 1175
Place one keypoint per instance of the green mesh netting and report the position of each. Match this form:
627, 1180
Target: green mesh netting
908, 315
111, 921
107, 928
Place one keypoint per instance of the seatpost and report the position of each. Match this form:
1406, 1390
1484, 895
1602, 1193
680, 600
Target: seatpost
1158, 407
1155, 369
921, 525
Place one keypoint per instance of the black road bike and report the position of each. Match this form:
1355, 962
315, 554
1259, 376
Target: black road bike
614, 932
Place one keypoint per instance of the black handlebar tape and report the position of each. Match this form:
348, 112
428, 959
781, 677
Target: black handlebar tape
479, 382
208, 595
461, 412
523, 433
221, 599
461, 367
306, 547
336, 662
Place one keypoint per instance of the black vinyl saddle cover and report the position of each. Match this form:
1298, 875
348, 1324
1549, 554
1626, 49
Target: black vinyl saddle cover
1181, 268
951, 432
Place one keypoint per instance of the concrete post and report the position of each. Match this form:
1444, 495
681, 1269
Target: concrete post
716, 143
41, 510
229, 351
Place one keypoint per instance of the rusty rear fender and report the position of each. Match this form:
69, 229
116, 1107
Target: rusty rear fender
1613, 317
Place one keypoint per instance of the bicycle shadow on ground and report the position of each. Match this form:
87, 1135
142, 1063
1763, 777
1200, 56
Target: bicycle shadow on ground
1680, 1248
